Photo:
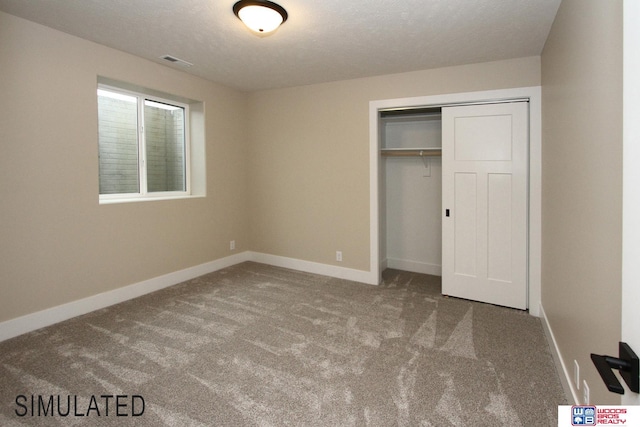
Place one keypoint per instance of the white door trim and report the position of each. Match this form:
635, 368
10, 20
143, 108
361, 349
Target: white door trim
631, 182
533, 94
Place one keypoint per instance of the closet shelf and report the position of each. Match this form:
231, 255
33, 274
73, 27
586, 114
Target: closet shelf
407, 152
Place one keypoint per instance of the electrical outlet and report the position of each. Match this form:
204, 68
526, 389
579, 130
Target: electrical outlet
232, 245
339, 256
576, 374
585, 393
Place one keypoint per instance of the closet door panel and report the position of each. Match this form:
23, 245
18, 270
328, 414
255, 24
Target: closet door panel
484, 201
483, 138
499, 236
465, 197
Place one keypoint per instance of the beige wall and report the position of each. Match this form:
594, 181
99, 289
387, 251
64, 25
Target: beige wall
309, 163
57, 243
582, 184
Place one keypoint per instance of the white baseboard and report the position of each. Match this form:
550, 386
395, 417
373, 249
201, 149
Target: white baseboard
414, 266
565, 378
316, 268
31, 322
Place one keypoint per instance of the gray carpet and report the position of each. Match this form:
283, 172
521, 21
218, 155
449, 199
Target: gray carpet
260, 345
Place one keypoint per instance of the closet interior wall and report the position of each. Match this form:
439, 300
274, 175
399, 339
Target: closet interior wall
411, 202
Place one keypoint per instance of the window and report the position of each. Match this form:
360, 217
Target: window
143, 144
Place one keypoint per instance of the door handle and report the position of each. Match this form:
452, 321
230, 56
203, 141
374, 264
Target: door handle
446, 212
628, 365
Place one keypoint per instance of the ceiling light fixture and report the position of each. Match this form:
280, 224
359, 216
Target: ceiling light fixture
261, 16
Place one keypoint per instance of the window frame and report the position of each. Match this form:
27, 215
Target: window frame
143, 193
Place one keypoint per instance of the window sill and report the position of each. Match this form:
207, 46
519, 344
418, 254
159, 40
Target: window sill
111, 201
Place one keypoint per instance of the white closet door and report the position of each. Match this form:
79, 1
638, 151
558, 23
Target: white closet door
484, 201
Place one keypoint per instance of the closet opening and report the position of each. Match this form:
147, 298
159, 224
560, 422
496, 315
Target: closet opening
478, 247
394, 126
411, 189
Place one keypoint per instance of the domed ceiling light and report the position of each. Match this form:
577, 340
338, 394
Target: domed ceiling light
261, 16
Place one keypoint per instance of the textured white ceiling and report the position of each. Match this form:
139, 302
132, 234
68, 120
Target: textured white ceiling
322, 41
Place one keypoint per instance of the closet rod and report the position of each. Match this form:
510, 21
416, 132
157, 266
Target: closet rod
407, 153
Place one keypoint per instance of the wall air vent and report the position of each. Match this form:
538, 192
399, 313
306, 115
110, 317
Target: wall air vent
176, 61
